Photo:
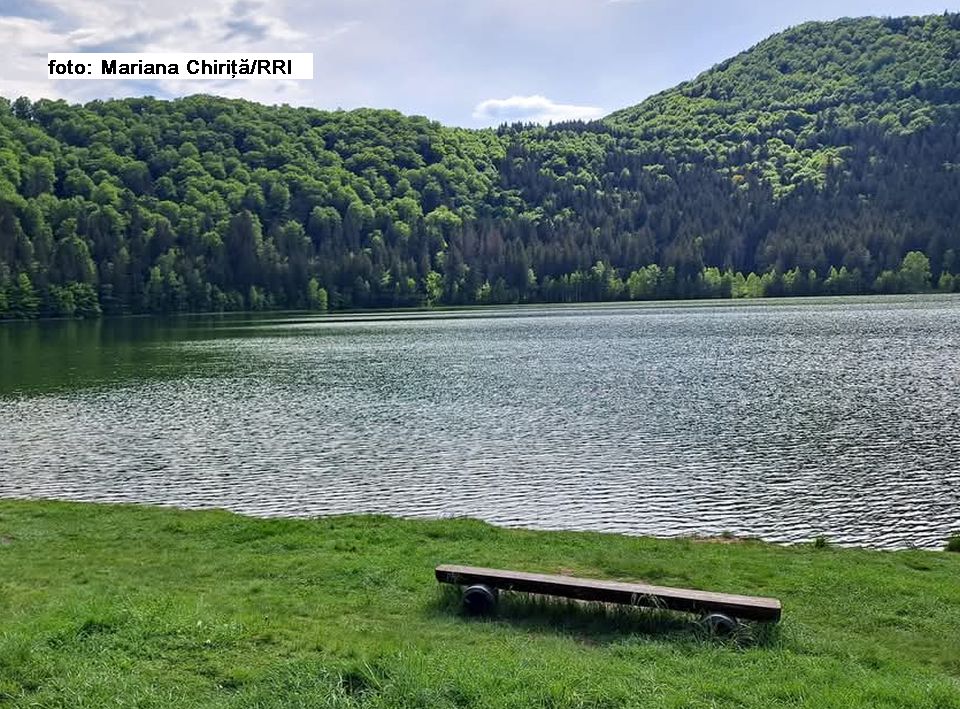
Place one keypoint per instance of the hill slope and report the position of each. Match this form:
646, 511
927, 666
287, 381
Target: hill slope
802, 94
818, 160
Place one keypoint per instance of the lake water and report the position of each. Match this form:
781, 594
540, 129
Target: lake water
783, 420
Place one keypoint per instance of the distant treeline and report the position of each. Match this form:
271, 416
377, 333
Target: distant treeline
825, 160
599, 283
603, 283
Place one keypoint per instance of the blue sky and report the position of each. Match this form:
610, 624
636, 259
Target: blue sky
463, 62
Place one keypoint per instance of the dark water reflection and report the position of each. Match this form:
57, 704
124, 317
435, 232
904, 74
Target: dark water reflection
783, 420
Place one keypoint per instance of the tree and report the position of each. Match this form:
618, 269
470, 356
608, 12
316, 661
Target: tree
72, 261
915, 273
243, 242
256, 299
644, 283
887, 282
754, 286
712, 283
85, 297
61, 302
38, 176
154, 296
316, 296
433, 285
841, 282
23, 109
24, 302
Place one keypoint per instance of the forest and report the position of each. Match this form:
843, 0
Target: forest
825, 160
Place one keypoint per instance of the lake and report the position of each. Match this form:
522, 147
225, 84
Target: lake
778, 419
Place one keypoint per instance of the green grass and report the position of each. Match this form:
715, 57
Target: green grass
140, 607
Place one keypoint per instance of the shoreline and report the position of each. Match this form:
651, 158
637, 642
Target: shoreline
724, 538
337, 314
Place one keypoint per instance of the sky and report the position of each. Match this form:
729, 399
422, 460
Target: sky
471, 63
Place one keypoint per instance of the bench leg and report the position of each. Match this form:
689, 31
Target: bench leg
479, 599
720, 624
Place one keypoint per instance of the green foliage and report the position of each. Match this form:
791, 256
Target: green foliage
73, 300
316, 296
953, 544
842, 281
163, 608
915, 272
887, 282
24, 302
824, 160
433, 287
787, 108
644, 284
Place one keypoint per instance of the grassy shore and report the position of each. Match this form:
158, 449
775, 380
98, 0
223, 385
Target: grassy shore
139, 607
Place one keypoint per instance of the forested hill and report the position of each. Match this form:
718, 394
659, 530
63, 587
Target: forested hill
824, 160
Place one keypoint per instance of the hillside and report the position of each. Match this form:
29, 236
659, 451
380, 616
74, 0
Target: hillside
799, 101
823, 160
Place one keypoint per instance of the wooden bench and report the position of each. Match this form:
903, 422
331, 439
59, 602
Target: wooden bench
721, 611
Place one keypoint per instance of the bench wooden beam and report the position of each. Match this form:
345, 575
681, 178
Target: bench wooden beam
631, 594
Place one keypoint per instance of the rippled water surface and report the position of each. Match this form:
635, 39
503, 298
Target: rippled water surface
783, 420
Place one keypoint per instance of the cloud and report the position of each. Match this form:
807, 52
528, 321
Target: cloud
134, 26
536, 16
532, 109
24, 44
376, 53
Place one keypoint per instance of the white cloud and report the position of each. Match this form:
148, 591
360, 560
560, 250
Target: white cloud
536, 16
24, 44
532, 109
135, 26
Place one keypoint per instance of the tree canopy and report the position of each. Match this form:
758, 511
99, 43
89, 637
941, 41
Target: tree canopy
824, 160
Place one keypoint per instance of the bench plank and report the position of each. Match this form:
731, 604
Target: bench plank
632, 594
